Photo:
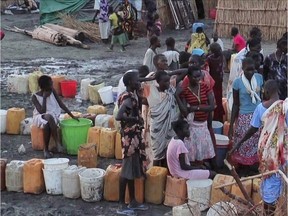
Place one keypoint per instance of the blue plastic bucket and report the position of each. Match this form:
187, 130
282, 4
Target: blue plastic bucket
222, 143
196, 25
217, 127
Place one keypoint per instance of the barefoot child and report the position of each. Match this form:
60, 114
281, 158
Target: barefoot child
118, 34
47, 110
133, 147
177, 153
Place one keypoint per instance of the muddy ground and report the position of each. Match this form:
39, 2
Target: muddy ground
20, 55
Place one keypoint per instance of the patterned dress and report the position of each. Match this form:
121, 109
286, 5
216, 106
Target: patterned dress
133, 146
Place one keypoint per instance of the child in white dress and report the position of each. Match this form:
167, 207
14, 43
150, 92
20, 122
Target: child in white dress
47, 110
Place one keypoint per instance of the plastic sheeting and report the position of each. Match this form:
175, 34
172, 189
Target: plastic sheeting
50, 10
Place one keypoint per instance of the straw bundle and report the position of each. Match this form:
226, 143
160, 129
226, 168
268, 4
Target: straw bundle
78, 35
91, 30
165, 14
50, 36
269, 15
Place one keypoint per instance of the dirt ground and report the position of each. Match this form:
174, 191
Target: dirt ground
21, 55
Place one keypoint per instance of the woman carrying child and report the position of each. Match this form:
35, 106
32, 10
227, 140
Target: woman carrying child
47, 110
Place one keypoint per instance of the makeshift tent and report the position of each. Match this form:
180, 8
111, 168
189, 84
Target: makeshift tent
50, 10
269, 15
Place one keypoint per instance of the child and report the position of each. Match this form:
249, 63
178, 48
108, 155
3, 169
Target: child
118, 35
154, 27
151, 53
216, 64
133, 147
177, 155
216, 39
171, 54
47, 110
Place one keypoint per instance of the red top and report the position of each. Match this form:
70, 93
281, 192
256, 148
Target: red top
2, 34
207, 79
239, 42
192, 99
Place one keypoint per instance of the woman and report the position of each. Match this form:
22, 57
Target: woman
199, 40
275, 67
271, 116
216, 65
246, 97
163, 110
129, 18
196, 98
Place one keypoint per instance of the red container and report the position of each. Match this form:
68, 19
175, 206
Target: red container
68, 88
212, 13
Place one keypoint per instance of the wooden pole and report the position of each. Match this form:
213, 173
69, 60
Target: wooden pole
236, 177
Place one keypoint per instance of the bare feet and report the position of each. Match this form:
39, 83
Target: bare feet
47, 154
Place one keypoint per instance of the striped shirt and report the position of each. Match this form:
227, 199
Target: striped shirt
193, 100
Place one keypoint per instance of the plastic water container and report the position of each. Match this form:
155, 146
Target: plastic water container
33, 81
106, 94
186, 210
94, 96
33, 179
222, 209
56, 163
217, 127
196, 25
53, 181
222, 143
3, 163
74, 133
84, 92
91, 183
112, 175
71, 182
14, 176
13, 119
3, 114
115, 93
18, 83
176, 191
56, 83
199, 191
68, 88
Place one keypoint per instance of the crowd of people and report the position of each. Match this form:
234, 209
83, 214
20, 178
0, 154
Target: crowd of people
166, 107
177, 101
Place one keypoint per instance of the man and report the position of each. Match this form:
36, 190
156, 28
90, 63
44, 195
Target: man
101, 7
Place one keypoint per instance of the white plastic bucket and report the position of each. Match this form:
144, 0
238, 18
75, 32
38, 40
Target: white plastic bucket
217, 127
91, 183
106, 94
71, 182
115, 93
53, 181
56, 163
3, 114
222, 209
199, 191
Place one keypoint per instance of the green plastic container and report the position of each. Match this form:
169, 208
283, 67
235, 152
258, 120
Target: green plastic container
74, 133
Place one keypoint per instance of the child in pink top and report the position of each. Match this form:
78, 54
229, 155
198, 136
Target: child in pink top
177, 160
239, 42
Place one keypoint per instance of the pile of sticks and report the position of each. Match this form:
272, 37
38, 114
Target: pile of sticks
54, 34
